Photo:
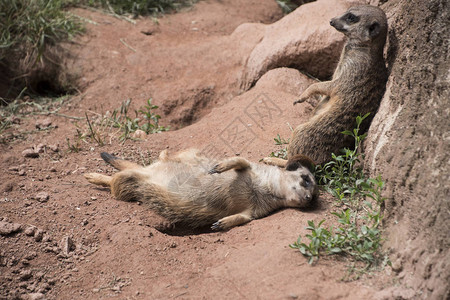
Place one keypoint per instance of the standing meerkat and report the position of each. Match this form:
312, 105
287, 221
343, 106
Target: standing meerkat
190, 189
357, 86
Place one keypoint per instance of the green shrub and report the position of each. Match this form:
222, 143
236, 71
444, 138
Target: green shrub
358, 235
28, 28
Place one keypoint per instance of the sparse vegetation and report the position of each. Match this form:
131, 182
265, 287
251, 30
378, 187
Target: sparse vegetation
99, 127
31, 33
286, 5
282, 153
149, 122
359, 215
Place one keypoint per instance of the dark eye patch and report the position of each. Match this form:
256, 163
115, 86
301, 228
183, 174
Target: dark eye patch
306, 181
374, 29
293, 166
351, 18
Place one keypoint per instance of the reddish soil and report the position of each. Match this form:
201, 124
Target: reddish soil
186, 64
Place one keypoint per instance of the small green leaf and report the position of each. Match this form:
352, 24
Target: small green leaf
335, 250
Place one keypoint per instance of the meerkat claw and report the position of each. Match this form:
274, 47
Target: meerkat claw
217, 226
298, 101
214, 170
217, 169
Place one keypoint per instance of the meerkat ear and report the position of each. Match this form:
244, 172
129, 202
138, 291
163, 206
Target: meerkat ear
298, 161
374, 29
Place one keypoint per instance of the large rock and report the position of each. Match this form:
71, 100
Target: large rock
303, 39
409, 145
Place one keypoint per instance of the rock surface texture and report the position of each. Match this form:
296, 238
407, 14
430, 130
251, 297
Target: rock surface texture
409, 145
303, 39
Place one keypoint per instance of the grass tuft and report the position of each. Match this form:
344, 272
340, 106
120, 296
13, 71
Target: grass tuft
30, 32
136, 8
29, 26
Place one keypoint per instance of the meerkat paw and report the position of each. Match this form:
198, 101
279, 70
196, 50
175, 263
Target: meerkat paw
218, 168
217, 226
237, 163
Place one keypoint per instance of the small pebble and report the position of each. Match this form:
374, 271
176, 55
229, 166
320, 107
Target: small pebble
30, 153
42, 196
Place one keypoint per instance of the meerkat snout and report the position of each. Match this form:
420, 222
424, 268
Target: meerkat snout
304, 190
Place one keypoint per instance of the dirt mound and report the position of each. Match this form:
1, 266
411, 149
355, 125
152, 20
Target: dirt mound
188, 62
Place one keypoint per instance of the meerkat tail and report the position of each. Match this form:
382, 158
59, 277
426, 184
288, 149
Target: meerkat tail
118, 163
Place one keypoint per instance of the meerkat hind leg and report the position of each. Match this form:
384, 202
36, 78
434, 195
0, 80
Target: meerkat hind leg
98, 179
119, 164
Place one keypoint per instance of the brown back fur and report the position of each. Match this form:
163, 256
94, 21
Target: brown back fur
356, 88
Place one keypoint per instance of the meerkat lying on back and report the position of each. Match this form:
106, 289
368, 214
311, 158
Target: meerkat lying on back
357, 86
190, 189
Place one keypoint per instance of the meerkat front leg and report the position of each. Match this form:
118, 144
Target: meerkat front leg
237, 163
323, 88
275, 161
231, 221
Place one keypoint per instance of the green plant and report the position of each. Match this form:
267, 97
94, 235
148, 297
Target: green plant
282, 153
75, 147
145, 119
151, 120
30, 50
290, 5
358, 234
136, 7
94, 133
129, 125
341, 176
286, 6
